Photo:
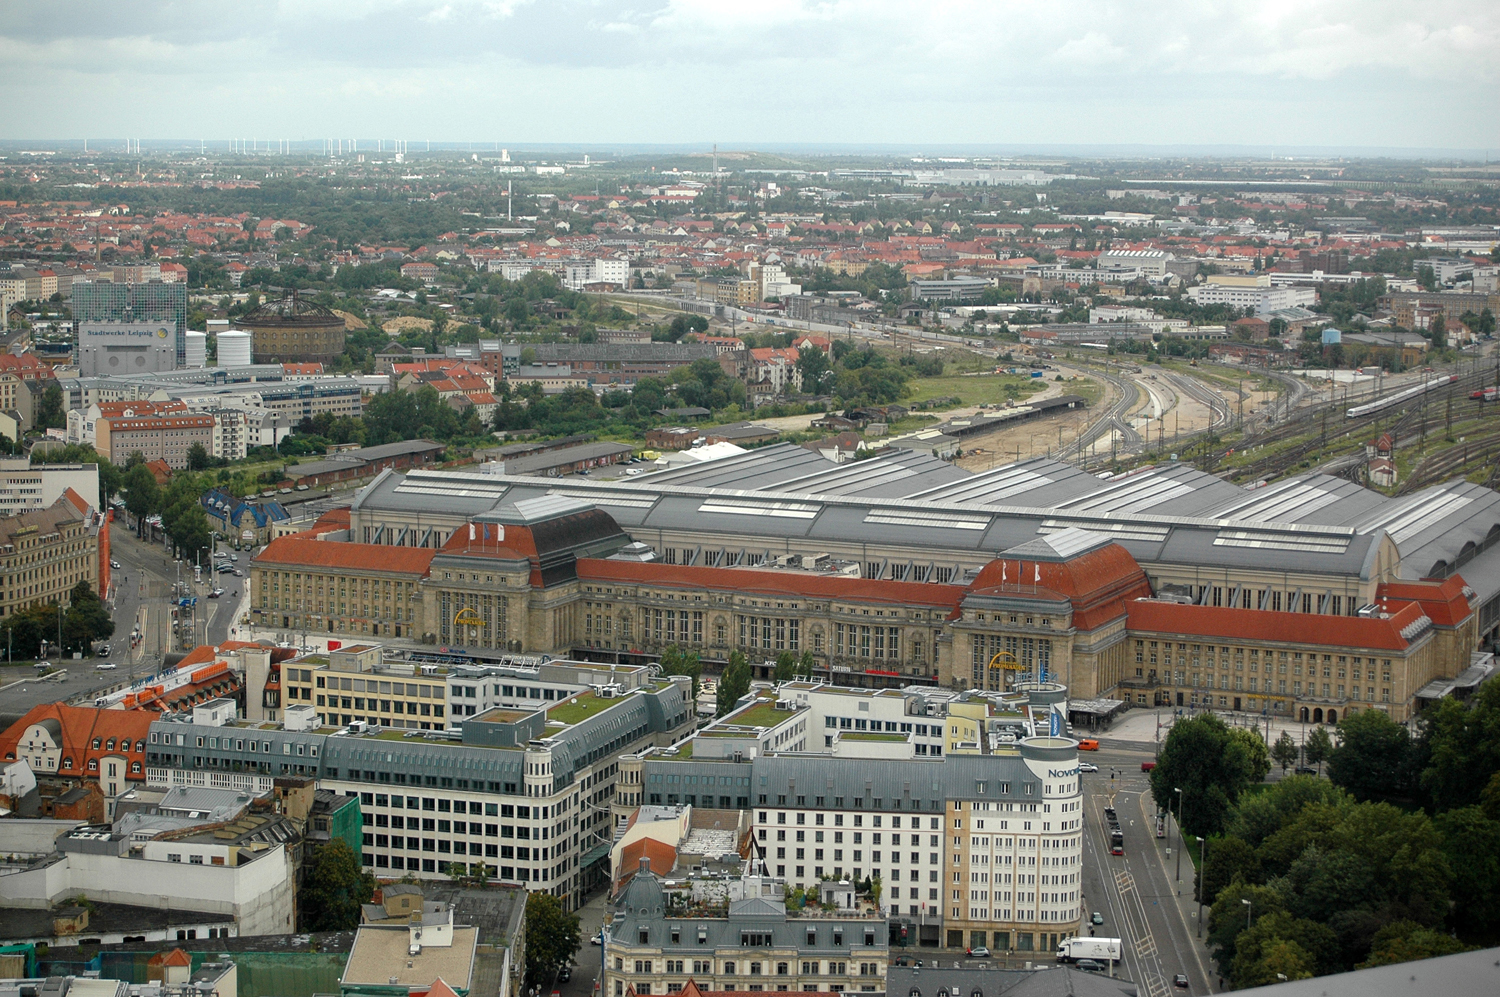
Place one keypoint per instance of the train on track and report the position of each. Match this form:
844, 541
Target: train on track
1401, 396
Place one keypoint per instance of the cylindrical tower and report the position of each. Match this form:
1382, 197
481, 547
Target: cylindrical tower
234, 349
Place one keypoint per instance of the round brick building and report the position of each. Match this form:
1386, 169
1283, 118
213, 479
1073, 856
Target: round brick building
293, 330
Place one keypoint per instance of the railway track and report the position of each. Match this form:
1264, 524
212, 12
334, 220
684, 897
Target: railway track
1474, 453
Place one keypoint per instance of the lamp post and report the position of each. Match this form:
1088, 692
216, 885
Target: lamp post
1249, 910
1178, 791
1202, 873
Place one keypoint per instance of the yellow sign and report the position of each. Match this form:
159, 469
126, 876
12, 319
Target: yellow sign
467, 618
1007, 661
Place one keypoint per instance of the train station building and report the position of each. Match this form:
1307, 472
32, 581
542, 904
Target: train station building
1306, 599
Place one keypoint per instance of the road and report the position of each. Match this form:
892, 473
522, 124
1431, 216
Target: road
1142, 901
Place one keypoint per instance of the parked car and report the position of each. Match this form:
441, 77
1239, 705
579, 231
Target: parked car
240, 574
979, 953
565, 974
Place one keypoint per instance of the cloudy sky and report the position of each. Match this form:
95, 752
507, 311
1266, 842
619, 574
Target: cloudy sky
1267, 73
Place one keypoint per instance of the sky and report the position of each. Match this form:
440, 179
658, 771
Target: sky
942, 74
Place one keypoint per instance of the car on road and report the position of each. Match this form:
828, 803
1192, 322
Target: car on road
1117, 849
105, 666
565, 974
1180, 981
238, 573
115, 565
1098, 918
103, 651
215, 593
1089, 965
979, 953
1305, 770
1087, 767
234, 557
1088, 744
594, 939
1147, 766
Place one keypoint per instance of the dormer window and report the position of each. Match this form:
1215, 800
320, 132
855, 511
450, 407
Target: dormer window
110, 744
96, 744
67, 763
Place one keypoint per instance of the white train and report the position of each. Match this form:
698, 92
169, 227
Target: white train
1400, 396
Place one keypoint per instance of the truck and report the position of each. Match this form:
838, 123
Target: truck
1101, 949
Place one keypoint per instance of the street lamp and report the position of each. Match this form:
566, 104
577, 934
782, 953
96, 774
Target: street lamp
1178, 791
1202, 875
1249, 910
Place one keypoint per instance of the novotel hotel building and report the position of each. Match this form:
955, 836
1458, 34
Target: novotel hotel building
978, 844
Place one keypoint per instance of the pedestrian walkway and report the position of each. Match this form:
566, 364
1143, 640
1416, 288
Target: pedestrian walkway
1148, 726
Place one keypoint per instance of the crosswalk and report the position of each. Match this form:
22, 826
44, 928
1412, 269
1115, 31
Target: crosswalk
1137, 934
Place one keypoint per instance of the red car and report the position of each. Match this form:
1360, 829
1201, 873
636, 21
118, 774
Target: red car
1147, 766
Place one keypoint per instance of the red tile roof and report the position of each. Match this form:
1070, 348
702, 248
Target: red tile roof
1100, 583
300, 552
787, 583
1221, 623
80, 725
1443, 601
662, 855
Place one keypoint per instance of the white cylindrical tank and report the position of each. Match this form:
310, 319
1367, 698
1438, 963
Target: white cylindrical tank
197, 349
234, 349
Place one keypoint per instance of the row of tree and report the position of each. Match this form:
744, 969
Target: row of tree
84, 621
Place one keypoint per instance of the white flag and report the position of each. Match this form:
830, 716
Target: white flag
1002, 572
1039, 571
471, 532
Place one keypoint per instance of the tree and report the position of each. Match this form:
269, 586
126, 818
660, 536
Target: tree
1438, 331
1471, 841
812, 365
49, 411
674, 661
734, 683
335, 889
786, 666
141, 494
1374, 758
1407, 941
1318, 747
1226, 859
86, 620
1256, 753
198, 458
1211, 765
1461, 744
1285, 751
552, 938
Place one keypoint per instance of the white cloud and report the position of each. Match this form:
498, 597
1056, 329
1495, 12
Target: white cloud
1335, 72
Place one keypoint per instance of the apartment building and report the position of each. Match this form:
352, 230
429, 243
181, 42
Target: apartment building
45, 552
168, 437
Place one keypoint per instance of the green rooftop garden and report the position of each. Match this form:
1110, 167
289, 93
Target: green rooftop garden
579, 708
869, 735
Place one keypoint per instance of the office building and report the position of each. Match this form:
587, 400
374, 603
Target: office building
45, 552
155, 437
125, 348
155, 302
24, 485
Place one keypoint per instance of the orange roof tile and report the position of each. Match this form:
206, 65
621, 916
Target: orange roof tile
1222, 623
1443, 601
791, 583
299, 551
80, 726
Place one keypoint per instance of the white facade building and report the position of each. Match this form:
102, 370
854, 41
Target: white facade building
1262, 299
26, 486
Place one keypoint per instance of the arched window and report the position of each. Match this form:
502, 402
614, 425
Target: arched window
914, 993
110, 744
140, 745
93, 764
67, 763
96, 744
135, 767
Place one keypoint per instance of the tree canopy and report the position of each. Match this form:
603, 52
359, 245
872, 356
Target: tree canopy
335, 889
552, 938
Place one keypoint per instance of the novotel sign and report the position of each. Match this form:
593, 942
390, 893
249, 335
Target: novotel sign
1062, 773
